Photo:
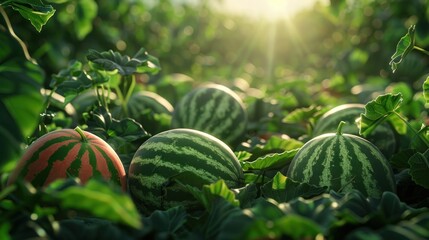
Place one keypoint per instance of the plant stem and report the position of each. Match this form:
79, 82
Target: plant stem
81, 133
126, 89
421, 50
340, 128
12, 32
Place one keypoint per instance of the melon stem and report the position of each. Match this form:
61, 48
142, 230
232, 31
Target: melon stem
340, 128
82, 135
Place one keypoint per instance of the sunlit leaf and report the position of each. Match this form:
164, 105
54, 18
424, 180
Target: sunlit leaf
271, 161
419, 168
377, 111
301, 114
142, 62
33, 10
243, 155
297, 227
404, 46
101, 201
283, 189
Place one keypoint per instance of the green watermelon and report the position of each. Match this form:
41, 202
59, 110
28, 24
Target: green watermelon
214, 109
190, 156
342, 162
69, 153
383, 136
148, 108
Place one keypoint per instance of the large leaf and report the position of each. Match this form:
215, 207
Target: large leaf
419, 168
405, 46
271, 161
379, 110
33, 10
210, 192
20, 99
100, 200
283, 189
167, 223
142, 62
215, 219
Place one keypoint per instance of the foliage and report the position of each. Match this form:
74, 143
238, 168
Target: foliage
55, 53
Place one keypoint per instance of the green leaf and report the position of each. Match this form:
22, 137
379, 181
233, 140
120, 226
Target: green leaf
33, 10
297, 227
283, 189
85, 12
219, 189
419, 168
169, 222
271, 161
301, 114
142, 62
21, 101
100, 200
400, 160
404, 46
71, 81
426, 90
378, 110
214, 221
118, 133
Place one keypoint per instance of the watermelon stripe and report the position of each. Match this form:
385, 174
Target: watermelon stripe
33, 164
41, 176
63, 153
58, 166
312, 160
204, 160
175, 153
343, 162
213, 109
327, 162
169, 169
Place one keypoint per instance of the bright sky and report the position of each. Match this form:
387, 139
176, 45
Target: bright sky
271, 9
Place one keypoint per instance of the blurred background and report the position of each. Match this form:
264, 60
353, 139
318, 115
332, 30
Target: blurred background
341, 48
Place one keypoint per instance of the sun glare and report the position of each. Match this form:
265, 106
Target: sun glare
270, 9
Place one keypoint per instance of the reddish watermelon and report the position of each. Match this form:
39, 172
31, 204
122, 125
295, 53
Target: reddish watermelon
69, 153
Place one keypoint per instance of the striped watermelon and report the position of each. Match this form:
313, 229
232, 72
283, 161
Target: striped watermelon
214, 109
67, 152
383, 136
194, 157
145, 107
343, 162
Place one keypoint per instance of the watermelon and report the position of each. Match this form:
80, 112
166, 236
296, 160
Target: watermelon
214, 109
149, 109
342, 162
383, 136
188, 156
69, 153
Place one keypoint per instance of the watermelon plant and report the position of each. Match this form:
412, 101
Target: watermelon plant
214, 109
167, 161
68, 153
248, 182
